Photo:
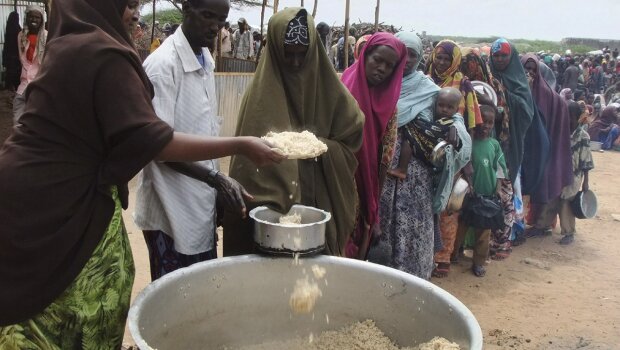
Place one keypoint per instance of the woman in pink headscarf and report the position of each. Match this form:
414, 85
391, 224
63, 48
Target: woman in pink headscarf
375, 81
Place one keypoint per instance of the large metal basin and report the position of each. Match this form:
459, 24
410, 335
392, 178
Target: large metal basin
244, 300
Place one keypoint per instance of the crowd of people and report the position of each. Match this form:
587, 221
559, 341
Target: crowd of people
522, 149
242, 43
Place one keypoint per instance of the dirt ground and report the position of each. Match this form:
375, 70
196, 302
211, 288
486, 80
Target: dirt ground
545, 296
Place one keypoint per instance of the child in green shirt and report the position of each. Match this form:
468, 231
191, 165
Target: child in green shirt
489, 166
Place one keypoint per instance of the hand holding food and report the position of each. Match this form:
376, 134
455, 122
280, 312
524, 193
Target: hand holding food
261, 152
297, 145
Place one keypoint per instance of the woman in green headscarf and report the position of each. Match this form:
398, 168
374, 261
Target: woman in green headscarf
295, 88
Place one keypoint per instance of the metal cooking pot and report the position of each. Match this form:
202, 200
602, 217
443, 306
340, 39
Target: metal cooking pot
274, 238
238, 301
460, 189
584, 205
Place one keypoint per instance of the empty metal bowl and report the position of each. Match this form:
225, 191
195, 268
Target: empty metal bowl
584, 205
439, 154
457, 196
306, 238
485, 89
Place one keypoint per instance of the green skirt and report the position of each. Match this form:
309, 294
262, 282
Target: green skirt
91, 312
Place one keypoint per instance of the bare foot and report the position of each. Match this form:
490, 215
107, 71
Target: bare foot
397, 173
500, 255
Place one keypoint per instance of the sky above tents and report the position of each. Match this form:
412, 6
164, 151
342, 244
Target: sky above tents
517, 19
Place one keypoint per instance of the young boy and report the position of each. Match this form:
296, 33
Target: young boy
487, 158
446, 106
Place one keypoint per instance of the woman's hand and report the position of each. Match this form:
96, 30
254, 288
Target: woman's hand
586, 185
261, 152
231, 196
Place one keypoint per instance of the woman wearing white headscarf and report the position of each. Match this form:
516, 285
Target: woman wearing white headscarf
406, 207
31, 44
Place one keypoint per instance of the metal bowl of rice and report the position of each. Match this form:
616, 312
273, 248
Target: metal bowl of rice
300, 231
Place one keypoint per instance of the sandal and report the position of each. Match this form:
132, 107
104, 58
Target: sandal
478, 270
567, 239
519, 240
441, 271
537, 232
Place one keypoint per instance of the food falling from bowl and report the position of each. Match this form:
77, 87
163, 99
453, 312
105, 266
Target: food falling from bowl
304, 296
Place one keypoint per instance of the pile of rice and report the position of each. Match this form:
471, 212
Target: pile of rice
358, 336
296, 145
291, 219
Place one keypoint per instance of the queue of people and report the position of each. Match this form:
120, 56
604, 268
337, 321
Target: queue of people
70, 270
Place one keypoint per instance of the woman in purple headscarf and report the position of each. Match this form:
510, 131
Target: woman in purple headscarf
605, 129
558, 169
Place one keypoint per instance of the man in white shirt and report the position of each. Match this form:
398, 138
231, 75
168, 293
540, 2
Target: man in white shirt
225, 41
176, 207
243, 41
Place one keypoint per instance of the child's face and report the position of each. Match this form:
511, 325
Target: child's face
446, 107
484, 130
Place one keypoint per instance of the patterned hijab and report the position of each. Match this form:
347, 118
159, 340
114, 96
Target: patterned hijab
502, 46
453, 77
297, 31
454, 51
474, 67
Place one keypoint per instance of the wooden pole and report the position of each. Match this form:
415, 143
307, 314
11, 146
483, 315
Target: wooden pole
262, 17
302, 3
346, 36
262, 24
377, 15
219, 51
152, 27
275, 6
314, 9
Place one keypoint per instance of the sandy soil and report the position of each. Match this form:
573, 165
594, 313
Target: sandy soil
565, 298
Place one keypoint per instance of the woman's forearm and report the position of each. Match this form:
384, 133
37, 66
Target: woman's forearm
192, 148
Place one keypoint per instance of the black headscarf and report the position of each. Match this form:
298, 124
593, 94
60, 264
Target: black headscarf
88, 125
10, 36
10, 51
297, 31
